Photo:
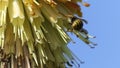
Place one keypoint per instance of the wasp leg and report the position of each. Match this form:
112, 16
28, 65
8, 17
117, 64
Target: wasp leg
84, 31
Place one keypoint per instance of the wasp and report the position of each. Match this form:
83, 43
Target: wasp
77, 24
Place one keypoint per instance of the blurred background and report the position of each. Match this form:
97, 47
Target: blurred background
103, 18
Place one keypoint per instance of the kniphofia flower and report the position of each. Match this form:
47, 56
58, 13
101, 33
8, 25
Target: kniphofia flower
33, 33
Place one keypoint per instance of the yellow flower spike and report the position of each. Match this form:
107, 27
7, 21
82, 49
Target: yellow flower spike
33, 33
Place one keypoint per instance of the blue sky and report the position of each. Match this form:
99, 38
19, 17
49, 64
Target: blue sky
104, 22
